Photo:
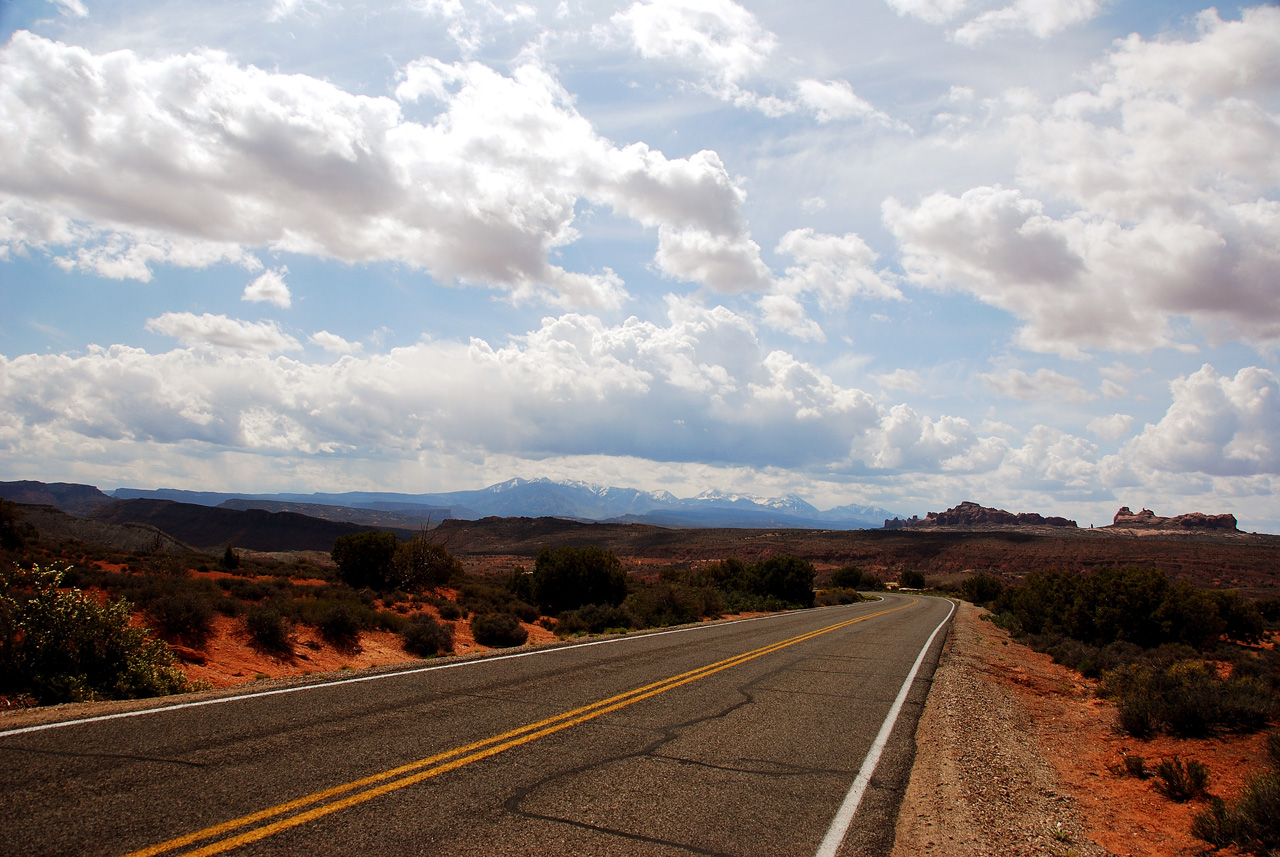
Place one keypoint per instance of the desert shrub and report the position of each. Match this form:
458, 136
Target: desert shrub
982, 588
250, 590
1186, 698
365, 560
595, 619
662, 605
498, 629
787, 578
185, 616
1180, 782
830, 597
268, 629
524, 611
424, 636
450, 610
230, 559
1136, 766
422, 564
62, 645
340, 624
1273, 748
849, 577
912, 579
872, 583
1135, 605
567, 578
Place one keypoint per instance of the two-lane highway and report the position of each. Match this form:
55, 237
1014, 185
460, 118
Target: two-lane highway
744, 738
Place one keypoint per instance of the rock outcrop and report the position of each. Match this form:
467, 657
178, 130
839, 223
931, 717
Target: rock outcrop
1149, 520
969, 514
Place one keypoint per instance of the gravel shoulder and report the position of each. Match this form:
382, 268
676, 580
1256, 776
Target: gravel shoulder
1018, 755
981, 784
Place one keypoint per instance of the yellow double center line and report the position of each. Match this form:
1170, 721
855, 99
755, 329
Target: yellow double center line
340, 797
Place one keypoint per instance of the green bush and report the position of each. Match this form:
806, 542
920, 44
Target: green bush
849, 577
424, 636
498, 629
982, 588
567, 578
365, 560
1186, 698
911, 579
63, 646
421, 564
268, 629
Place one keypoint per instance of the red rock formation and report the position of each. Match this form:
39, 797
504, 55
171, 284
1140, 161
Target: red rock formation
1149, 520
969, 514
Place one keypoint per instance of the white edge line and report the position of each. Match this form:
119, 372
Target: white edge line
378, 677
844, 816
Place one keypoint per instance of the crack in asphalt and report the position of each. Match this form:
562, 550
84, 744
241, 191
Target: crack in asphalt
515, 803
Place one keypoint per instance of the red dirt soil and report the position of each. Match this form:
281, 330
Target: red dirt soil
1079, 735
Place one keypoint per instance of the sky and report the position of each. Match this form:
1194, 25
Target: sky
892, 252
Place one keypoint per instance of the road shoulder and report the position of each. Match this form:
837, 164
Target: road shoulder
981, 784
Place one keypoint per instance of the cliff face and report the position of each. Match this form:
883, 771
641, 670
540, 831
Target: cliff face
1149, 520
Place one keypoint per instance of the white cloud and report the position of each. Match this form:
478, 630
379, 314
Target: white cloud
725, 263
1111, 428
901, 379
1164, 170
270, 287
730, 50
220, 157
833, 268
71, 8
1044, 384
719, 38
835, 100
219, 331
1041, 18
1216, 425
334, 343
931, 11
836, 268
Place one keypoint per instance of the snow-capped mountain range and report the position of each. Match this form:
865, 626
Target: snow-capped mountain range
571, 499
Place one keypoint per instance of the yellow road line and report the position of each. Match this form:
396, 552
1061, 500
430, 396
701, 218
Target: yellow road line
431, 766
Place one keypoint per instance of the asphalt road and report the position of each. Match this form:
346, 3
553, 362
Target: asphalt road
738, 738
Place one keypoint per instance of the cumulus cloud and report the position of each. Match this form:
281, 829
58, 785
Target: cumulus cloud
218, 158
270, 287
1216, 425
1166, 167
718, 37
222, 332
1111, 427
698, 387
1044, 384
834, 269
726, 263
729, 50
334, 343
